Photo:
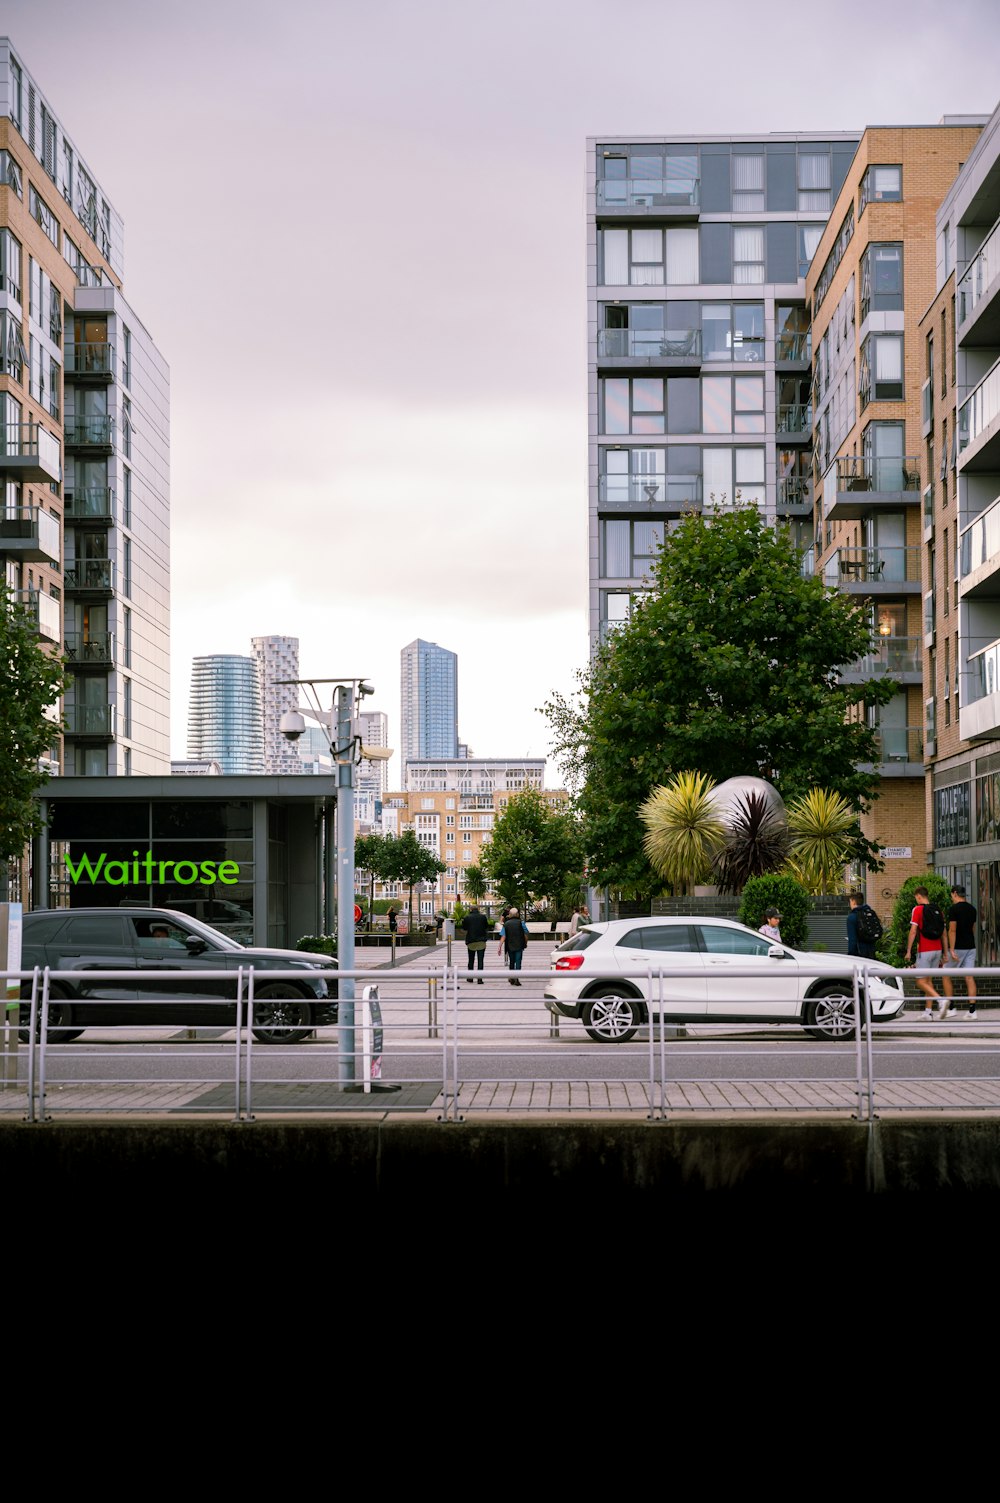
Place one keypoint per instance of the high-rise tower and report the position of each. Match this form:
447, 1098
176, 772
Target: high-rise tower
429, 701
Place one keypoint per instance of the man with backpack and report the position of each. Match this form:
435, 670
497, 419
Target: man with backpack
864, 928
927, 927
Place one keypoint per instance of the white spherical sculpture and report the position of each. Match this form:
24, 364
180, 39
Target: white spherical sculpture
731, 794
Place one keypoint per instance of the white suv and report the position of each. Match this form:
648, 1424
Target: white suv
603, 978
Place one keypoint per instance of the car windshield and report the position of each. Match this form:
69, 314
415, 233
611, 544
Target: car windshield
204, 931
580, 940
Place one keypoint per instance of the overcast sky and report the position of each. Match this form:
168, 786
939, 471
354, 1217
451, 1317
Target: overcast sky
356, 231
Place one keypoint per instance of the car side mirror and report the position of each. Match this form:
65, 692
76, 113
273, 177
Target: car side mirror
195, 945
777, 953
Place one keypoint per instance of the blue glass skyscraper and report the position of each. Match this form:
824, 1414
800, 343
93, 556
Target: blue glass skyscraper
428, 701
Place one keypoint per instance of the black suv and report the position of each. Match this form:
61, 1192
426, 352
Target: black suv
131, 939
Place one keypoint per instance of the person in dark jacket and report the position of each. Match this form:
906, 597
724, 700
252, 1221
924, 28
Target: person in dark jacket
515, 939
477, 929
855, 944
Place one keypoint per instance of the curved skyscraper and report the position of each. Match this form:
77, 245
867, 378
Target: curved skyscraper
429, 701
224, 718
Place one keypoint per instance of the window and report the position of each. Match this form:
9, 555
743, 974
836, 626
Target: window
13, 356
66, 176
814, 182
880, 184
126, 356
48, 143
809, 238
748, 253
881, 279
10, 173
648, 258
629, 548
127, 497
748, 182
880, 378
127, 427
127, 635
127, 708
427, 803
10, 265
732, 331
833, 260
44, 216
127, 567
16, 94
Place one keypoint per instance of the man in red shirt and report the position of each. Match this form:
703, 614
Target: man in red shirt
929, 951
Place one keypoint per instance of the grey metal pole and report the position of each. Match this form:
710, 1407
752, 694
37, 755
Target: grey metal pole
344, 745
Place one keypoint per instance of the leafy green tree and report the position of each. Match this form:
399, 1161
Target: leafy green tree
730, 664
533, 850
683, 829
406, 860
788, 896
475, 884
370, 857
30, 683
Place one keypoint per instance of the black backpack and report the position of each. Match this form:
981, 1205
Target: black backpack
869, 925
932, 921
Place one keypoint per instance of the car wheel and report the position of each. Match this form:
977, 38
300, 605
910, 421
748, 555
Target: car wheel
830, 1014
611, 1017
280, 1015
60, 1018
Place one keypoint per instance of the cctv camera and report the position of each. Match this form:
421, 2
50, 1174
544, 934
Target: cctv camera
364, 688
375, 753
291, 725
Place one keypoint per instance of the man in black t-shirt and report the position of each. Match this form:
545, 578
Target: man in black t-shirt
960, 947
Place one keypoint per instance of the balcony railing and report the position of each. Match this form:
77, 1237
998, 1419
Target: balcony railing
94, 503
90, 432
795, 490
649, 344
890, 657
32, 450
795, 417
979, 409
873, 566
793, 345
982, 676
90, 720
865, 472
90, 360
88, 648
96, 574
900, 743
807, 566
655, 492
44, 611
648, 192
980, 542
29, 532
980, 276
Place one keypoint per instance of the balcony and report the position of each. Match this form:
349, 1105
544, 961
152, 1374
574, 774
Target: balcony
30, 535
88, 650
44, 612
979, 713
979, 425
92, 506
979, 295
874, 571
899, 658
90, 362
90, 435
793, 349
661, 494
94, 578
91, 722
794, 422
900, 751
865, 485
795, 495
652, 349
30, 452
979, 556
673, 197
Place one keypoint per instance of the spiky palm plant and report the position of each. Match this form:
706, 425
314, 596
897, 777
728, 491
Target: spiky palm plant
756, 844
821, 824
683, 829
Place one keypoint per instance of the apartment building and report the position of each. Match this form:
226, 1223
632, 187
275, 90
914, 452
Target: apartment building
428, 701
698, 337
372, 776
869, 286
959, 347
85, 462
277, 664
224, 717
455, 826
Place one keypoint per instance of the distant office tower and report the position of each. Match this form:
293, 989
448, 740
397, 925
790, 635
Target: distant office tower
85, 462
277, 659
429, 701
224, 722
373, 728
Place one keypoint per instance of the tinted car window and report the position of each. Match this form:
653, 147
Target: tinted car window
733, 941
40, 928
580, 940
659, 937
95, 929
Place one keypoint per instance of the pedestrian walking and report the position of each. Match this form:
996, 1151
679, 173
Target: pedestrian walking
515, 939
960, 949
770, 927
927, 928
580, 916
476, 928
392, 920
864, 928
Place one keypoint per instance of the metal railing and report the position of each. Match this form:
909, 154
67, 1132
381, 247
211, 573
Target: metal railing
31, 441
979, 543
442, 1045
31, 522
93, 647
866, 472
90, 574
44, 611
91, 720
86, 432
681, 492
795, 490
899, 743
649, 344
91, 502
96, 359
982, 273
889, 657
648, 192
980, 408
849, 566
794, 345
794, 417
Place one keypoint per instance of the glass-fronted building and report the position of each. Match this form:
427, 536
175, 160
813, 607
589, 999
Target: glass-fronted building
224, 715
428, 701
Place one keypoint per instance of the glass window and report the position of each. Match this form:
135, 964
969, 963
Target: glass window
888, 367
682, 255
616, 406
748, 182
748, 404
719, 941
717, 404
750, 476
615, 257
647, 258
716, 331
814, 181
881, 279
10, 265
748, 253
809, 238
716, 253
748, 331
662, 937
718, 476
684, 405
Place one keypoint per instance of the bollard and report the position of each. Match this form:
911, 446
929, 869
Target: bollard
432, 1007
392, 938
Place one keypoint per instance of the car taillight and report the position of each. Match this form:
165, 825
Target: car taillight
569, 963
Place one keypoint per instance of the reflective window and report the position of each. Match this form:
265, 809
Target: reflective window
719, 941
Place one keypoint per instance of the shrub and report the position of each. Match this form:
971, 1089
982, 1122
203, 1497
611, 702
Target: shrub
892, 947
788, 896
318, 944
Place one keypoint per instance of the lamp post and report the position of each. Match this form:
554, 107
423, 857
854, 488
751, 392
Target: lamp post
347, 750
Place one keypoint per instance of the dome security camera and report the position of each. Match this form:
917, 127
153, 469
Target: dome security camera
291, 725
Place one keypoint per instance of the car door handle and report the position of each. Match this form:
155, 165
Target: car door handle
713, 961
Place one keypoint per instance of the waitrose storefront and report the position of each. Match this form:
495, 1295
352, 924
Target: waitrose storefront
966, 827
245, 854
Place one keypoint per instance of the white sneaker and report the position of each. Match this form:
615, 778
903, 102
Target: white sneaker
929, 1015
